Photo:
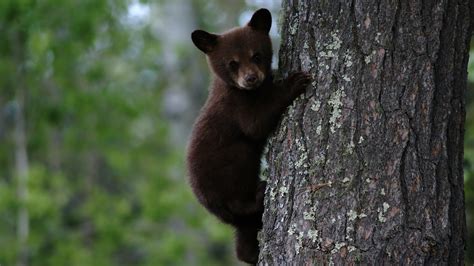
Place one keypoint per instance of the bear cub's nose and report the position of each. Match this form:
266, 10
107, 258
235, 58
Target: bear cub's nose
251, 78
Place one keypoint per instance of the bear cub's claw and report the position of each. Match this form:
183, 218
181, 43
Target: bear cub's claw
299, 81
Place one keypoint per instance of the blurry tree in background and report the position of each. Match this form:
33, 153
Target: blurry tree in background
96, 101
469, 159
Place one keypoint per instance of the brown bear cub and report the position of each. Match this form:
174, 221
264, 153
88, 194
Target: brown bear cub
243, 107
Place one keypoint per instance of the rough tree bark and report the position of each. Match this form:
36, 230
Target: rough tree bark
368, 166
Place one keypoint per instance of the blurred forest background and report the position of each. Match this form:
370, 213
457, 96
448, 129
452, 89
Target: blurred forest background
97, 98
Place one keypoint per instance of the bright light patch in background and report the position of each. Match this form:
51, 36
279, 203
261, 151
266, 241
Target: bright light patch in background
247, 15
272, 5
137, 14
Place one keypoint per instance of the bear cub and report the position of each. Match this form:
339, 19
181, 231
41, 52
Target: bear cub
243, 107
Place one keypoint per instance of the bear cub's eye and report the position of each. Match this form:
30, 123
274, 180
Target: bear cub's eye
234, 65
257, 58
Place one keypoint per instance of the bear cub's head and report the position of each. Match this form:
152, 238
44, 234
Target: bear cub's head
241, 57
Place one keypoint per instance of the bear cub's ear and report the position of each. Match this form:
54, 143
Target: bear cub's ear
261, 20
203, 40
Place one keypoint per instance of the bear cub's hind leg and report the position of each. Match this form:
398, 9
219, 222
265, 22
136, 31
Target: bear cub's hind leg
247, 244
246, 234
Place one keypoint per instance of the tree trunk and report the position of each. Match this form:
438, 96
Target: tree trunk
21, 169
21, 153
368, 166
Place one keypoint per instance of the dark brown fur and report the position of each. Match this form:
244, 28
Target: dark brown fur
243, 107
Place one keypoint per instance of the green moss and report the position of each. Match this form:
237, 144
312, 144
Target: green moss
302, 163
315, 105
369, 58
272, 194
305, 45
313, 235
299, 242
348, 60
337, 247
283, 190
294, 26
352, 215
337, 42
332, 47
309, 215
292, 229
382, 211
349, 148
335, 102
318, 129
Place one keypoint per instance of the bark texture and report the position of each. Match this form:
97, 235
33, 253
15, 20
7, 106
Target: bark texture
368, 166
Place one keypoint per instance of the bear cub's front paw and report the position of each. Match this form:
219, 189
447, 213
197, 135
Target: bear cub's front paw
298, 82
